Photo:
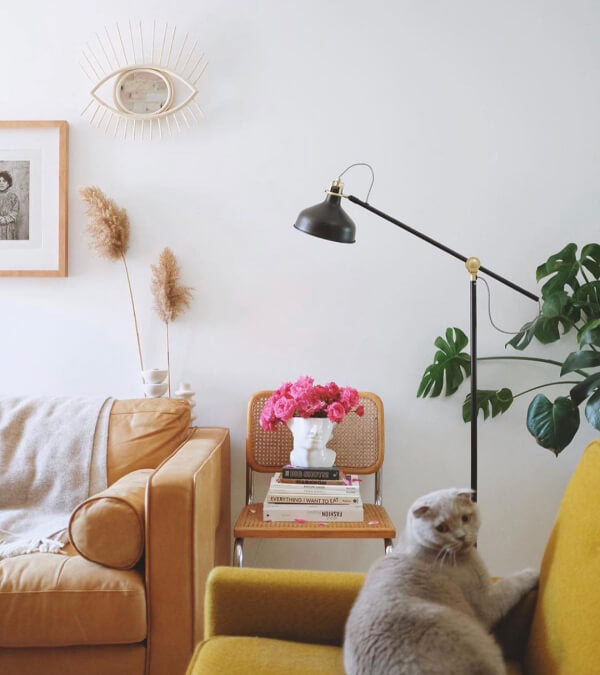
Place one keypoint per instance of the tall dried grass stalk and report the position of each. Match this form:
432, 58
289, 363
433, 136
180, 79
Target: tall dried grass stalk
109, 229
171, 298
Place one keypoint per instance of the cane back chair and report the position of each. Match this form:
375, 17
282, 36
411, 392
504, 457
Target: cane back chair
359, 446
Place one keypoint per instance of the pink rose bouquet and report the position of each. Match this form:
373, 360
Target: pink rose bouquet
304, 398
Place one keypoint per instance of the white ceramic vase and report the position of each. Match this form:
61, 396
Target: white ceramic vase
186, 392
154, 382
311, 435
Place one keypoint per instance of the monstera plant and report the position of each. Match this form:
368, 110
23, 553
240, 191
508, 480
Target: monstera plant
570, 301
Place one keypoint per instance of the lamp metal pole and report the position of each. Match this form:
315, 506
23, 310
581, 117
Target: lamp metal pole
473, 266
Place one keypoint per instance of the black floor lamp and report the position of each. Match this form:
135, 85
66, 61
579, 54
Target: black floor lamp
328, 220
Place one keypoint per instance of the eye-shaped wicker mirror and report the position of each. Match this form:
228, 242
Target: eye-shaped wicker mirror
144, 82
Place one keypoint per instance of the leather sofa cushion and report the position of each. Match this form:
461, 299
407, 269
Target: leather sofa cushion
108, 528
98, 660
144, 432
49, 600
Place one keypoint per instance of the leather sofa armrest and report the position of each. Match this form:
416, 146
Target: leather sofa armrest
187, 534
304, 606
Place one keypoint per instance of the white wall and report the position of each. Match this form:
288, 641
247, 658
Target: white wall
481, 120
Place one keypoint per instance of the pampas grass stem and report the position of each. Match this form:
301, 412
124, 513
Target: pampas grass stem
168, 359
135, 321
109, 229
171, 299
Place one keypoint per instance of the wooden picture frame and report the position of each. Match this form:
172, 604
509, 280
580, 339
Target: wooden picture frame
33, 198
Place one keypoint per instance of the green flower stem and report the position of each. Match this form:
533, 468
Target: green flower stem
548, 384
528, 358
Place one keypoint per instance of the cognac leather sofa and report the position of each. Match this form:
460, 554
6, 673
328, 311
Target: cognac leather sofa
288, 621
64, 614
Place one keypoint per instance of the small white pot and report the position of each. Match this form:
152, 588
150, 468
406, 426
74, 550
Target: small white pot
154, 375
311, 435
155, 390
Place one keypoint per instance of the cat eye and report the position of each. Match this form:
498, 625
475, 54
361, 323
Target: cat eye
442, 528
466, 519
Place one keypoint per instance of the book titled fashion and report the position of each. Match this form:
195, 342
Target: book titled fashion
315, 473
272, 498
312, 513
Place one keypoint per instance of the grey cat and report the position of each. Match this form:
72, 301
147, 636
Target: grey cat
428, 607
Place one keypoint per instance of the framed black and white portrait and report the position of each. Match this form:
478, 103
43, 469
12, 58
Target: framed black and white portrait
33, 198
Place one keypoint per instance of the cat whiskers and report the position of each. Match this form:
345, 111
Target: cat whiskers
444, 551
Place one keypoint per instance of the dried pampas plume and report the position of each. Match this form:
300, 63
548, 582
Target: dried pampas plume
171, 299
108, 227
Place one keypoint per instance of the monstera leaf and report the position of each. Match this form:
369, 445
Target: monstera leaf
590, 334
563, 266
589, 387
449, 364
577, 360
493, 402
557, 310
590, 259
582, 390
587, 298
592, 410
553, 424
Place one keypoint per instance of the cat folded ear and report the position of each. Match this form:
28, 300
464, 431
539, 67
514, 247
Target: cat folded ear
421, 511
465, 493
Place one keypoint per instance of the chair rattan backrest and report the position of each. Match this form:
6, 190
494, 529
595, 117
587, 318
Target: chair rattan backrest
358, 441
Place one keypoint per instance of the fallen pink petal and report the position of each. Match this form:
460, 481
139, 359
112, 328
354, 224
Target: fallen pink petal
373, 522
252, 510
299, 520
323, 524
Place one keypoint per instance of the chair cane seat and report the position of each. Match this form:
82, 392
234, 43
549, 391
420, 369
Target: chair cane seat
375, 525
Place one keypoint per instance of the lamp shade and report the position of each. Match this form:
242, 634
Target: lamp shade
328, 220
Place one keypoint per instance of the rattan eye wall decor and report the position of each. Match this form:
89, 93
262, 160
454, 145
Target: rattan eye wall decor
144, 81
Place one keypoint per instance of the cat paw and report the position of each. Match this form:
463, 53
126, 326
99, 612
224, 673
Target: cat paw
530, 578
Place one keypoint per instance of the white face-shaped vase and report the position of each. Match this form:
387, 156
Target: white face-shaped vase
311, 436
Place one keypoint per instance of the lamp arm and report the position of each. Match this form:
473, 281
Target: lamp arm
433, 242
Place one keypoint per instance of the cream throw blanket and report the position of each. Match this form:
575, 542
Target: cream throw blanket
52, 457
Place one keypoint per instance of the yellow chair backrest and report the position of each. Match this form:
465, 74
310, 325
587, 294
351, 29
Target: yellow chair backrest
566, 624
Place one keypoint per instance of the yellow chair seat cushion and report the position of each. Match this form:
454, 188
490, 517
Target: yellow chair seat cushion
264, 656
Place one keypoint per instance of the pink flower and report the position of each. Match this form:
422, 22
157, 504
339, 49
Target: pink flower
349, 398
301, 386
268, 421
284, 390
309, 402
304, 398
333, 391
284, 408
336, 412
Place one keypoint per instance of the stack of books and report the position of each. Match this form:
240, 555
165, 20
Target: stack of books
312, 494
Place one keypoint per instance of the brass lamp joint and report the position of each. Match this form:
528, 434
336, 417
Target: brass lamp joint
473, 265
336, 189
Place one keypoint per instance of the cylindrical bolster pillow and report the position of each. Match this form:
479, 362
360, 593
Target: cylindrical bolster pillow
108, 528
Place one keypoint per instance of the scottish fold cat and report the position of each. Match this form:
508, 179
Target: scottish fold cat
429, 606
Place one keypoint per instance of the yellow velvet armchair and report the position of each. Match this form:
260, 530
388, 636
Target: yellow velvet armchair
284, 621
